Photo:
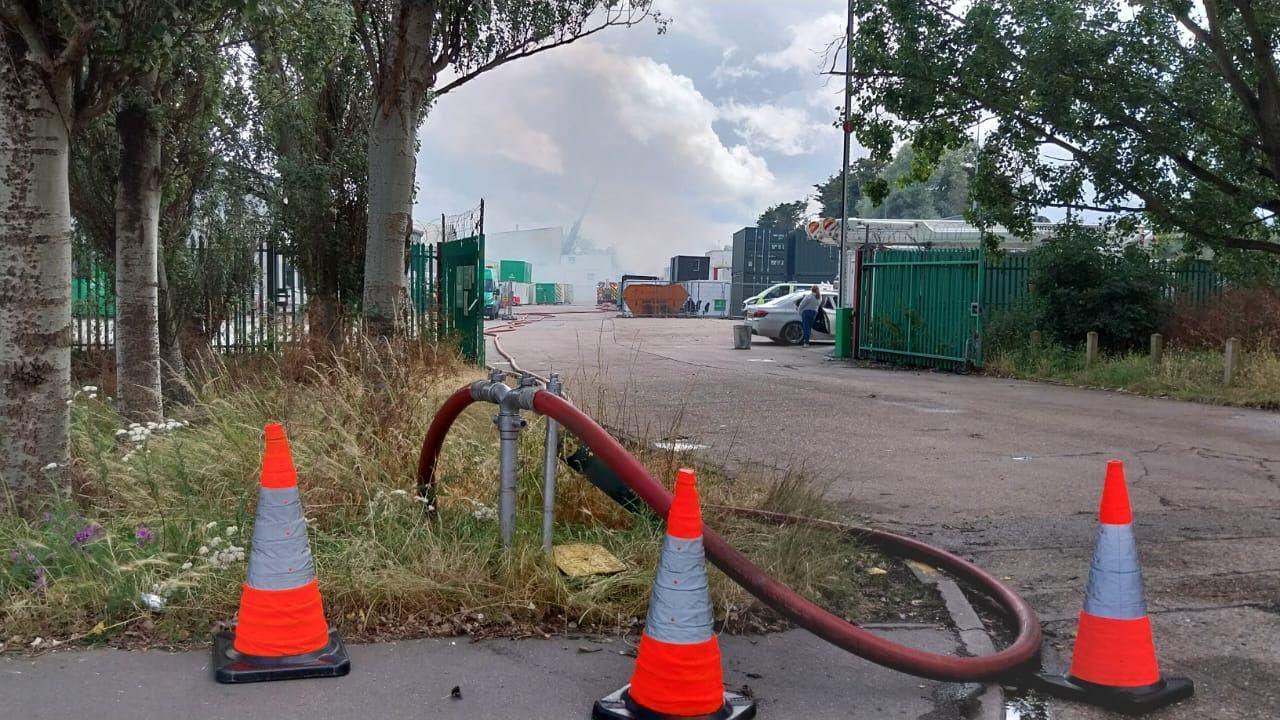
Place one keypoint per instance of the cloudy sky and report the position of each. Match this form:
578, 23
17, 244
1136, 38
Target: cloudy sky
668, 143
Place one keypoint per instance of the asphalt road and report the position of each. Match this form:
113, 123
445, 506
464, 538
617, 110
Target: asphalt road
792, 675
1008, 473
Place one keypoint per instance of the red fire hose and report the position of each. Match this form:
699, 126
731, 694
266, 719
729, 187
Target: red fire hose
1021, 652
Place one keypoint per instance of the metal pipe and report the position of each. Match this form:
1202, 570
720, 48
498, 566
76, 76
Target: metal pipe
550, 464
509, 425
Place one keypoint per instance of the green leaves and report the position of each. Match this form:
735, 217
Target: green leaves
1092, 104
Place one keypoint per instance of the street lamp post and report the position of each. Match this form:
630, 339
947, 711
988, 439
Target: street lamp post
846, 127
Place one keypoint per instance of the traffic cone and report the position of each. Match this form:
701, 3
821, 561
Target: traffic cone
1114, 662
678, 669
281, 633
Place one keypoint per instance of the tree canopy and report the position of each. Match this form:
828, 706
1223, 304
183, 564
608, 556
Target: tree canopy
1166, 111
783, 216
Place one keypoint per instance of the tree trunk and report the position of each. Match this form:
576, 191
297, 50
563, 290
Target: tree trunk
35, 282
392, 163
391, 178
138, 389
173, 367
325, 318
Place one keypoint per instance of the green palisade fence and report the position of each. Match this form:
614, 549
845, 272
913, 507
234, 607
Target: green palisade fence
269, 313
920, 307
927, 307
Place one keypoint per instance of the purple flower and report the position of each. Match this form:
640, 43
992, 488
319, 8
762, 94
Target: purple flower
144, 535
85, 534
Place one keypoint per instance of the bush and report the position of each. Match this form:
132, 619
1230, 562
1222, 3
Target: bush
1082, 281
1251, 314
1010, 329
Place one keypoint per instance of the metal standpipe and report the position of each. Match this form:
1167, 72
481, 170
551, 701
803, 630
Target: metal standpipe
509, 425
549, 469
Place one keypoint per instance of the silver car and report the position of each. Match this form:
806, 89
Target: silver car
779, 320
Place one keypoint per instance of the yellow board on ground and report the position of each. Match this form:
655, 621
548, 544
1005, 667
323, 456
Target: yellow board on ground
584, 559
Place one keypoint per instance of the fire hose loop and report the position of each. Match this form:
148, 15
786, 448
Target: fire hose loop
1021, 653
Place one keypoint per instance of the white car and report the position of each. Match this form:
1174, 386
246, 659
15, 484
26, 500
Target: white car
779, 319
773, 292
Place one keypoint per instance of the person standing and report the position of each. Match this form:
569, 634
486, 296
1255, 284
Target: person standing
808, 307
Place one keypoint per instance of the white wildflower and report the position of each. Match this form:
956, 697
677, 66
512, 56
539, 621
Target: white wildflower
186, 566
215, 541
204, 550
90, 388
93, 396
211, 525
127, 457
134, 426
232, 530
121, 432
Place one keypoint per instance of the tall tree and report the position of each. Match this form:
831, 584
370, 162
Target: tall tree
1168, 110
181, 37
907, 188
827, 192
783, 216
314, 94
137, 330
62, 66
409, 45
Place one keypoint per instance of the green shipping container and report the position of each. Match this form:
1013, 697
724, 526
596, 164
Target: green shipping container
515, 271
544, 293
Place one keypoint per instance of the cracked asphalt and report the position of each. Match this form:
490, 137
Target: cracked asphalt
1007, 473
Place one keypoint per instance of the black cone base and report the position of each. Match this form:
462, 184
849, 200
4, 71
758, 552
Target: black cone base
230, 666
1130, 701
618, 705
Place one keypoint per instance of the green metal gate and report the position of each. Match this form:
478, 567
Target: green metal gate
462, 295
921, 307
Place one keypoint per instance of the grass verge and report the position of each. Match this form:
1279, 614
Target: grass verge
1194, 375
168, 511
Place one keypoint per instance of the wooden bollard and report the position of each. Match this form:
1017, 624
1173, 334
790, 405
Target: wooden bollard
1035, 339
1230, 356
1091, 348
1157, 348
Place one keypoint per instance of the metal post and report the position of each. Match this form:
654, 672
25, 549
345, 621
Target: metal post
509, 425
549, 469
846, 127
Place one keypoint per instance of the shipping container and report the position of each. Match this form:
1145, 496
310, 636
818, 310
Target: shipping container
544, 293
707, 298
522, 293
515, 271
806, 256
689, 267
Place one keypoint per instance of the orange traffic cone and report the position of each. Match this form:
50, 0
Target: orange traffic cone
678, 669
1114, 663
281, 633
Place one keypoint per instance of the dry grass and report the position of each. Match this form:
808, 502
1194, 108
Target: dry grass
1194, 375
386, 567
